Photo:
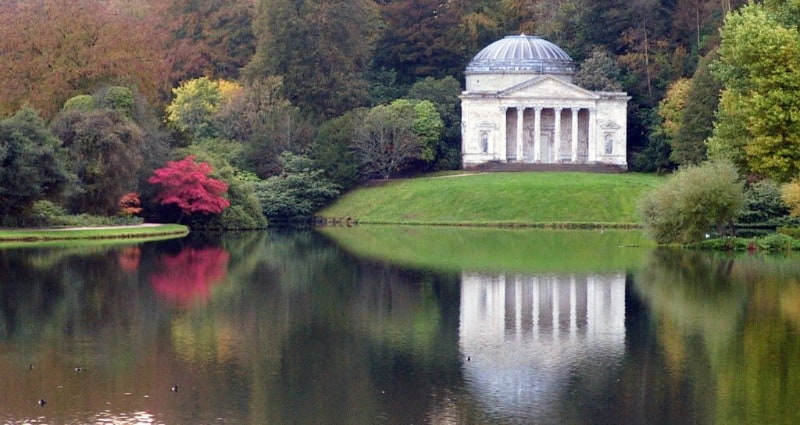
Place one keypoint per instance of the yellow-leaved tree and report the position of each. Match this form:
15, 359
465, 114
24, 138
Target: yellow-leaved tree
196, 103
790, 192
758, 127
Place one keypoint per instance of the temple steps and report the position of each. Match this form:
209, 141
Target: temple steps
522, 166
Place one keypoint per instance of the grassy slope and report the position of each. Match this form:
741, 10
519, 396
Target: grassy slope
519, 198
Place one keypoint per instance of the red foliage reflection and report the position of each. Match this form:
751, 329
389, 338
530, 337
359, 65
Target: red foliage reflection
187, 277
129, 258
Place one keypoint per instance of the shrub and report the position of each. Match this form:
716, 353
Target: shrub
778, 242
244, 213
449, 159
789, 231
117, 98
296, 194
728, 243
83, 103
773, 242
47, 213
692, 202
235, 217
130, 204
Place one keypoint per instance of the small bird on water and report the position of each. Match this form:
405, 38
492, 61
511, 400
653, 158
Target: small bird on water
174, 389
42, 402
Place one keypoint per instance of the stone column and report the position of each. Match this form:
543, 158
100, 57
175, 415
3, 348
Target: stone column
557, 137
573, 311
520, 129
575, 134
537, 134
592, 153
502, 143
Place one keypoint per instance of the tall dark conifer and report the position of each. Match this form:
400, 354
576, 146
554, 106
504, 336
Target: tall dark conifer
689, 145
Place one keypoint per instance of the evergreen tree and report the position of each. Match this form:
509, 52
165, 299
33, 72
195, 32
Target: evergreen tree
702, 98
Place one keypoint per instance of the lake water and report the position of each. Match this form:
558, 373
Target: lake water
382, 325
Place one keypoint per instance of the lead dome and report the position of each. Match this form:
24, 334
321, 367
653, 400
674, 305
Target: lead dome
522, 53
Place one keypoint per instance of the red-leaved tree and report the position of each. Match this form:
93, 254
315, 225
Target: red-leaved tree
187, 185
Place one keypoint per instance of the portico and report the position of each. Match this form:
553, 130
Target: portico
531, 132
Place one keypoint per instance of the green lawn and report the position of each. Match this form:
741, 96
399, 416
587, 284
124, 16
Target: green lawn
536, 198
88, 233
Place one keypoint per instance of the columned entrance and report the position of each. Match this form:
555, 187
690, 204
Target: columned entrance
548, 135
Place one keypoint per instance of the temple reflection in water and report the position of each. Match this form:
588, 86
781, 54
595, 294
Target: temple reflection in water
527, 337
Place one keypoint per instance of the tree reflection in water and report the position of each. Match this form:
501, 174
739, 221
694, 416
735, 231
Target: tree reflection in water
130, 258
187, 277
726, 325
305, 332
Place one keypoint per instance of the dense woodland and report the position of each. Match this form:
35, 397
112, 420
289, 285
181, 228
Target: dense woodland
279, 105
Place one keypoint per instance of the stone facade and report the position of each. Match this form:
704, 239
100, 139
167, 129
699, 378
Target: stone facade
521, 114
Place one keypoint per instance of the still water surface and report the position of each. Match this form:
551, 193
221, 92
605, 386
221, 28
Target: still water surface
398, 326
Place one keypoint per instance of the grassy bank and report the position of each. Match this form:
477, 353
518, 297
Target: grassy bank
499, 199
93, 233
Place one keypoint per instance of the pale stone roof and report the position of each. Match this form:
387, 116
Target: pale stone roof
521, 53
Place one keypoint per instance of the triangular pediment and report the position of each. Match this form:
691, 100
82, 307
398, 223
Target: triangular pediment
546, 86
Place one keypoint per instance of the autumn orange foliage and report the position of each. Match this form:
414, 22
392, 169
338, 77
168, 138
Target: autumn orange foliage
55, 49
130, 204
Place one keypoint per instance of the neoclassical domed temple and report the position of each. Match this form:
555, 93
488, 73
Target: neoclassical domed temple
520, 105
